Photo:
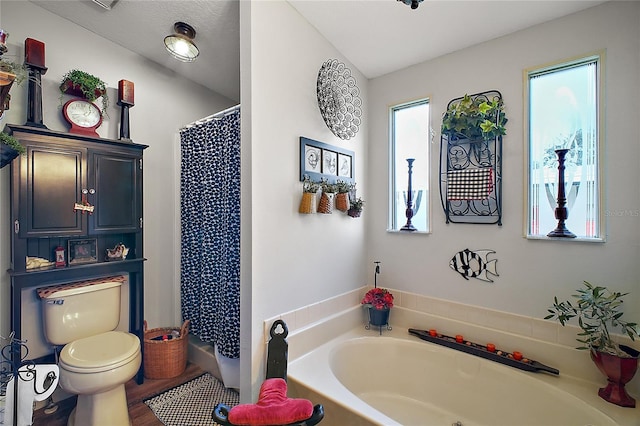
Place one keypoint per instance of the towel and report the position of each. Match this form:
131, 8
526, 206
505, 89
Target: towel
273, 407
469, 184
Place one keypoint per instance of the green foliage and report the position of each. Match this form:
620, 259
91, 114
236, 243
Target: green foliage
91, 86
310, 186
596, 309
474, 119
343, 187
9, 140
356, 204
329, 188
20, 71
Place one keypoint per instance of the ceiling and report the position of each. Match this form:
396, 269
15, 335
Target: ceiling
376, 36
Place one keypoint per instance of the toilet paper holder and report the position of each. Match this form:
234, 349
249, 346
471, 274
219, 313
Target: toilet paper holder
16, 369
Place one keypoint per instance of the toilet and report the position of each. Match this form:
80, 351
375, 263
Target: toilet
96, 360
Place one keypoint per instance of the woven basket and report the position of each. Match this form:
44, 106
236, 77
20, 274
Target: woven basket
164, 359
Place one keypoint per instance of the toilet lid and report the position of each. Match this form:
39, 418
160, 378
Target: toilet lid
100, 352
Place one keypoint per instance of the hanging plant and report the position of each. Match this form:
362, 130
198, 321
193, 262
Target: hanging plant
474, 117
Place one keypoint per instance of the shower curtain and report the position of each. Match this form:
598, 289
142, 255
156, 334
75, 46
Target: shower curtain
210, 225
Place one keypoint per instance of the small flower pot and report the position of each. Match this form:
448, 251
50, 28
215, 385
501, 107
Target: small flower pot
379, 317
326, 203
354, 212
307, 203
342, 201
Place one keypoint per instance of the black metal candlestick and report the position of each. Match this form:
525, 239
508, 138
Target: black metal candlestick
409, 211
561, 212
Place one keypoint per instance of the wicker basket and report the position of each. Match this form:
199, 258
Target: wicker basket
164, 359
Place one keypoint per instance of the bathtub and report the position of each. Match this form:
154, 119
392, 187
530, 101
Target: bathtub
397, 379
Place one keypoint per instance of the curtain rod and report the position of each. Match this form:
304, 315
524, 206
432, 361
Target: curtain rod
219, 114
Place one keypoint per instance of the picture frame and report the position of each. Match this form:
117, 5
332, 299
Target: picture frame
321, 161
83, 251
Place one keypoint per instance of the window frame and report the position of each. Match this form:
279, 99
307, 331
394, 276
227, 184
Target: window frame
599, 57
392, 207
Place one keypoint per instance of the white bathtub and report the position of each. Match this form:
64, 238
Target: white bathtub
398, 379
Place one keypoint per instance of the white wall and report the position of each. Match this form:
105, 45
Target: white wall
297, 259
155, 120
531, 272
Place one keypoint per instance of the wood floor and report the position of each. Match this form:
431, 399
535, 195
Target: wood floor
140, 414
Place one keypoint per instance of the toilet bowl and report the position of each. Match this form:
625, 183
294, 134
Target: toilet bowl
96, 369
96, 361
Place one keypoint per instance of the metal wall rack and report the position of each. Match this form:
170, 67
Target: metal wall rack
477, 161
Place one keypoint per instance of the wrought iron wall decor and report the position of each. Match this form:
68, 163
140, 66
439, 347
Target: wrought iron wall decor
471, 174
339, 99
321, 161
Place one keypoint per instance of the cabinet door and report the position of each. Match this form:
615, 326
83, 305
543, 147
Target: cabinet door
51, 182
116, 180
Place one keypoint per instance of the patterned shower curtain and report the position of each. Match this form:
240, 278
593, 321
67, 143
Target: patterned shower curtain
210, 224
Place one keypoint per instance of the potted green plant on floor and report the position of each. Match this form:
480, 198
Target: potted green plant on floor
474, 118
10, 148
85, 85
596, 309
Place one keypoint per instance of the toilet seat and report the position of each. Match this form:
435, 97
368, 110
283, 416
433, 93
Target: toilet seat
101, 352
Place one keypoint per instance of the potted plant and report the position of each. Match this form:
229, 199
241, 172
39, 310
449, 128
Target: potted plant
355, 207
308, 201
85, 85
474, 118
10, 73
326, 199
596, 309
10, 148
379, 302
342, 196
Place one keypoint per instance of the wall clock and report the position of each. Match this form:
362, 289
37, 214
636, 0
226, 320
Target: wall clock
84, 116
338, 99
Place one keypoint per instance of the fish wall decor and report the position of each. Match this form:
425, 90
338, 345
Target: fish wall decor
474, 264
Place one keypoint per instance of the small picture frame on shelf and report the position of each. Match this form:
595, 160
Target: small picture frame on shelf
83, 251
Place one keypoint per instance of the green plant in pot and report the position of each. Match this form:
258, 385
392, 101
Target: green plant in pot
343, 189
596, 309
474, 118
327, 198
308, 201
83, 84
10, 73
356, 205
10, 148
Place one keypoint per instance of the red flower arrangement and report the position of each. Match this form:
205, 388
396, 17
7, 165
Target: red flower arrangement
378, 298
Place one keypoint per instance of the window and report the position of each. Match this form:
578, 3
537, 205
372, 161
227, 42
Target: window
563, 103
409, 140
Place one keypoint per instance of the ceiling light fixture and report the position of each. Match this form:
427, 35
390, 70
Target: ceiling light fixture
180, 45
414, 3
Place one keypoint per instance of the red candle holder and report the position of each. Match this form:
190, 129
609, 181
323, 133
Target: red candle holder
459, 338
517, 355
491, 347
433, 332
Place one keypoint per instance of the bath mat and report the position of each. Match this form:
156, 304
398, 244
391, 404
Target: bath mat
191, 404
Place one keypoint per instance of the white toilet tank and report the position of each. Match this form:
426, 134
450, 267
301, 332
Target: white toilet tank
77, 310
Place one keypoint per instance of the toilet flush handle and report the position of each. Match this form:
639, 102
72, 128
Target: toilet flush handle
55, 302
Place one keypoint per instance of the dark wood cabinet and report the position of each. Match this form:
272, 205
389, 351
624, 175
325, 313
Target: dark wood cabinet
59, 173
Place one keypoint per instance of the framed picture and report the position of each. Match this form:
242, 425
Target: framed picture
329, 162
319, 161
83, 251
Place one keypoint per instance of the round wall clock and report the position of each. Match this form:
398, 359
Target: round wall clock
84, 116
338, 99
